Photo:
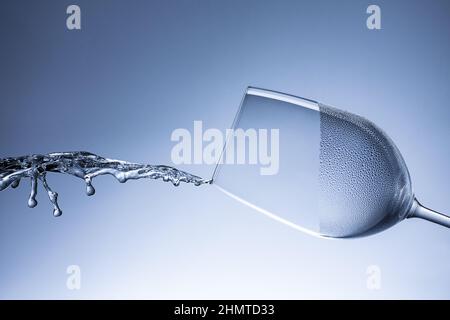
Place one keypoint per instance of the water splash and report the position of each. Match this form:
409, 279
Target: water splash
84, 165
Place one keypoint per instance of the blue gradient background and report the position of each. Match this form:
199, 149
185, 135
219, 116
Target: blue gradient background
139, 69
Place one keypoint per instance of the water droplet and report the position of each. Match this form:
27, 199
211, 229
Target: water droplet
57, 212
32, 202
90, 190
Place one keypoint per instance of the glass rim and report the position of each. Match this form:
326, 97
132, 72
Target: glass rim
265, 93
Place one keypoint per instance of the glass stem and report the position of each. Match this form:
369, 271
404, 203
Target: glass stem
419, 211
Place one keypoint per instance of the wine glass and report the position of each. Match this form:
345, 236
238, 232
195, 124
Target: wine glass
337, 175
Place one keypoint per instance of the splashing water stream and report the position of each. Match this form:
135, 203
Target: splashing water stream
84, 165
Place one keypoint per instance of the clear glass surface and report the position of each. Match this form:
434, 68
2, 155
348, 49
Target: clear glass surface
338, 174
